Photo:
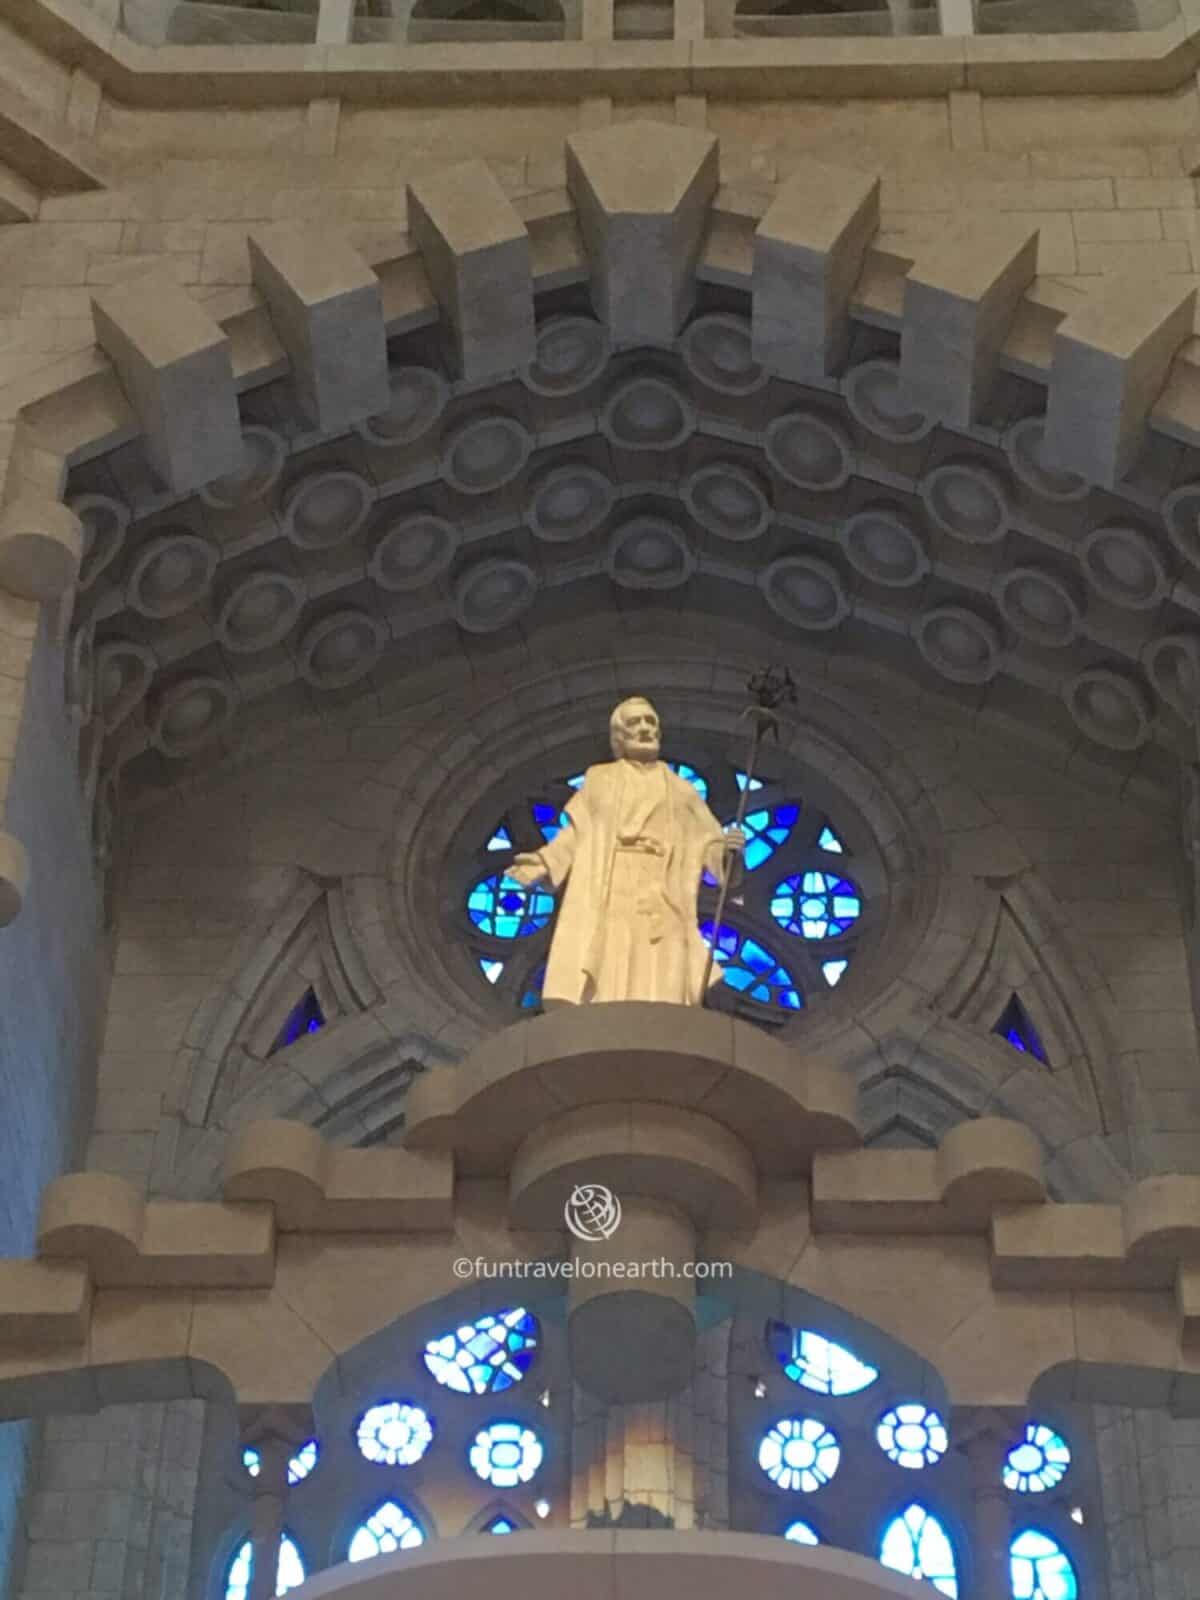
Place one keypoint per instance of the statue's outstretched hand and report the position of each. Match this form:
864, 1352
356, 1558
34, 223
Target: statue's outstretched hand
527, 869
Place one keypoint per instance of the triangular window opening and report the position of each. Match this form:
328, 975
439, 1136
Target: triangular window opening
306, 1017
1015, 1026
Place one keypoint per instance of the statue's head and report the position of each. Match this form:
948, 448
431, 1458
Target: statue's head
634, 730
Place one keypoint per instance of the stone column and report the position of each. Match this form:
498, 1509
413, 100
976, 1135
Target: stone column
276, 1437
984, 1437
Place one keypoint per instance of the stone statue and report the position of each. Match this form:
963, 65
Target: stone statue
639, 840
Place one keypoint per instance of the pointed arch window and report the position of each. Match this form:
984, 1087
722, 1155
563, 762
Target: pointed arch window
1041, 1568
305, 1016
289, 1574
1014, 1025
915, 1543
389, 1527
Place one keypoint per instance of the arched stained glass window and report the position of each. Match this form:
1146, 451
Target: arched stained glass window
1041, 1568
817, 1363
389, 1527
799, 1453
299, 1466
549, 819
697, 779
305, 1016
800, 1533
506, 1454
912, 1436
394, 1434
289, 1574
1014, 1024
915, 1543
816, 905
1038, 1461
752, 970
765, 831
503, 909
500, 1525
486, 1356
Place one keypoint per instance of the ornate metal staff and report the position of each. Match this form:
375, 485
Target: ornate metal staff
769, 688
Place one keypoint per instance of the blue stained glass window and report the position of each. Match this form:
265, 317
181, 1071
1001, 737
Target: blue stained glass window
500, 840
532, 998
500, 1525
289, 1573
832, 971
912, 1436
299, 1466
746, 782
915, 1543
765, 831
799, 1453
1041, 1568
1038, 1461
549, 819
697, 780
389, 1527
491, 969
485, 1356
800, 1533
816, 1363
1015, 1026
815, 905
828, 840
505, 1454
304, 1017
751, 969
395, 1433
575, 781
499, 906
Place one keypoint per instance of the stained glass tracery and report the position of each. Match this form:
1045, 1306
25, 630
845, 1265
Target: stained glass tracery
299, 1466
389, 1527
1041, 1568
766, 831
801, 1533
486, 1356
394, 1434
915, 1543
816, 905
506, 1454
289, 1573
799, 1453
504, 909
751, 969
817, 1363
1038, 1461
912, 1436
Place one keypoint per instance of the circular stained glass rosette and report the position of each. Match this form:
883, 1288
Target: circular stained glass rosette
799, 1453
395, 1434
504, 909
1038, 1461
816, 905
912, 1436
505, 1454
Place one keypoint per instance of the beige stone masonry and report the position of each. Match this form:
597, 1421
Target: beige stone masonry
809, 251
1111, 360
959, 306
326, 307
315, 1187
40, 545
477, 257
39, 151
174, 365
14, 878
1027, 1289
642, 192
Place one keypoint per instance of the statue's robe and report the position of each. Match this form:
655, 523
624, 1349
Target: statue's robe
639, 840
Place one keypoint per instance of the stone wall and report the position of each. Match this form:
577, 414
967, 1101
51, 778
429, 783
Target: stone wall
52, 977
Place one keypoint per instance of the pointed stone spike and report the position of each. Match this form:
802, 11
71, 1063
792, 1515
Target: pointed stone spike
327, 308
808, 253
959, 303
642, 191
478, 257
1111, 360
174, 364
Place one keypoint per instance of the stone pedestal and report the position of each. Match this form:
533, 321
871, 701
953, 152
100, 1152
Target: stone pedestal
677, 1113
